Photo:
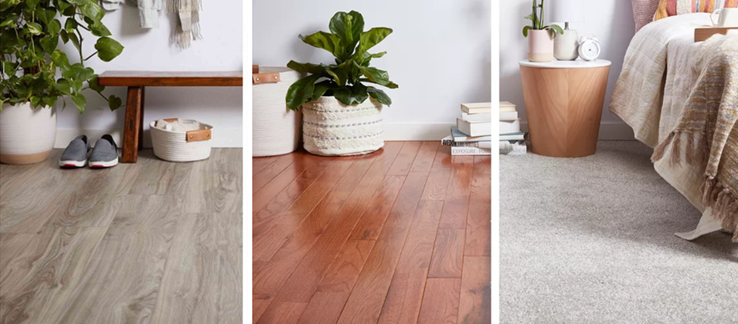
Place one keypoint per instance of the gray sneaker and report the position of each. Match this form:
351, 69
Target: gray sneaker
105, 153
75, 155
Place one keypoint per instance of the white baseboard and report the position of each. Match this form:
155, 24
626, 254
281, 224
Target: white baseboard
222, 137
609, 131
416, 131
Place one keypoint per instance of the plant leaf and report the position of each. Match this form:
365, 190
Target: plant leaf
48, 43
34, 28
371, 38
108, 48
348, 26
114, 102
329, 42
79, 101
339, 74
306, 67
380, 96
353, 95
301, 91
525, 30
98, 29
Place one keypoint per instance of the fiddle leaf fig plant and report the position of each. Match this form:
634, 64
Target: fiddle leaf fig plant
537, 17
345, 80
33, 69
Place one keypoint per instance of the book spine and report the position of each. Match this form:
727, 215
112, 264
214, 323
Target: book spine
469, 151
462, 144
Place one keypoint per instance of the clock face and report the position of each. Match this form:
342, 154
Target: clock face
589, 50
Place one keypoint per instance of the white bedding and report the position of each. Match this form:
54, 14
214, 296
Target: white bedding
659, 73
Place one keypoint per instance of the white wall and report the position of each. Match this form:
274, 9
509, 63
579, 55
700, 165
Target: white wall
610, 20
149, 50
439, 53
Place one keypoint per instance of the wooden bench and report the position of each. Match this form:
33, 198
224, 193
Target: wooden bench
137, 81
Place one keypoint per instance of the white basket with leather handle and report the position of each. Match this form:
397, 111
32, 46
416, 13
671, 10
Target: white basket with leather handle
180, 146
276, 129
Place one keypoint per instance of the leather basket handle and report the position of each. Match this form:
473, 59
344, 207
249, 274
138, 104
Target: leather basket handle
198, 135
259, 78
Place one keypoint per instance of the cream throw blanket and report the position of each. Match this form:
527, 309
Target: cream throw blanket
699, 91
188, 16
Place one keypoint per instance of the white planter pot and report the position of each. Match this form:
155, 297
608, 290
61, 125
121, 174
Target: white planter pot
27, 135
276, 129
331, 128
540, 46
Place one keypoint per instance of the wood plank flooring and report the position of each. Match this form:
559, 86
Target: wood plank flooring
151, 242
397, 236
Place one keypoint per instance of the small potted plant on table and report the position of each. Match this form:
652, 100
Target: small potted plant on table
34, 74
342, 115
540, 37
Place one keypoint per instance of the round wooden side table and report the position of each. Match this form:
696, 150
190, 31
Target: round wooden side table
564, 102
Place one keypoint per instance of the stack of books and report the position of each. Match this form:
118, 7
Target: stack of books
512, 139
473, 132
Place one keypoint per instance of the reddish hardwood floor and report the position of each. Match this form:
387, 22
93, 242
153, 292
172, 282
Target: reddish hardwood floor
398, 236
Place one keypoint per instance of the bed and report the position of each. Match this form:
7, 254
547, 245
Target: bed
681, 98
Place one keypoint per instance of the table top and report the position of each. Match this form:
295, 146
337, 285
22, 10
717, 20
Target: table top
577, 64
171, 78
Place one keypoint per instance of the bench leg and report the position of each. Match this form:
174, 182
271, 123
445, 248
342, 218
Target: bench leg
132, 124
141, 123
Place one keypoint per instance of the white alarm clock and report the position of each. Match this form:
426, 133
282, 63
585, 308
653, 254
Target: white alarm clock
589, 48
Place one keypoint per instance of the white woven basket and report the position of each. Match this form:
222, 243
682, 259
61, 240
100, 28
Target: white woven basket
180, 146
276, 129
331, 128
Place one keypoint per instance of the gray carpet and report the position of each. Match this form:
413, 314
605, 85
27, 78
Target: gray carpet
591, 240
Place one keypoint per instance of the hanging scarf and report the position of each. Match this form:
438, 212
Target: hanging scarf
188, 27
188, 17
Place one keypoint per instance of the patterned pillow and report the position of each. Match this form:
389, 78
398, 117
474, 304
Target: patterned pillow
668, 8
643, 11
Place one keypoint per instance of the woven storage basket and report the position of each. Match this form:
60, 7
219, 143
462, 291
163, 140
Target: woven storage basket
331, 128
276, 129
181, 146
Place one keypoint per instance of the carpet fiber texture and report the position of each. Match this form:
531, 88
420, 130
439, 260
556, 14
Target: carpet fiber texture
591, 240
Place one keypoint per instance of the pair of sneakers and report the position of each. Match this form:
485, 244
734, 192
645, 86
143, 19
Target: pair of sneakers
77, 154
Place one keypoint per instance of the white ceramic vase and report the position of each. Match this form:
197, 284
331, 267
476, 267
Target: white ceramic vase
331, 128
27, 134
540, 46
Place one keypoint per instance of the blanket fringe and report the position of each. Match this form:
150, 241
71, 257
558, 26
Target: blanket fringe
714, 195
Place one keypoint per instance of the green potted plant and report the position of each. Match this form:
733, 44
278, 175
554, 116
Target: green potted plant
341, 113
35, 74
540, 36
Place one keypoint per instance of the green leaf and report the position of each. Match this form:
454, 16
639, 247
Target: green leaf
380, 96
91, 10
526, 29
321, 88
375, 75
348, 26
63, 86
48, 43
306, 67
329, 42
34, 28
556, 29
49, 101
70, 25
301, 91
98, 29
341, 75
54, 27
79, 101
75, 40
60, 59
114, 102
352, 95
108, 48
95, 84
371, 38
